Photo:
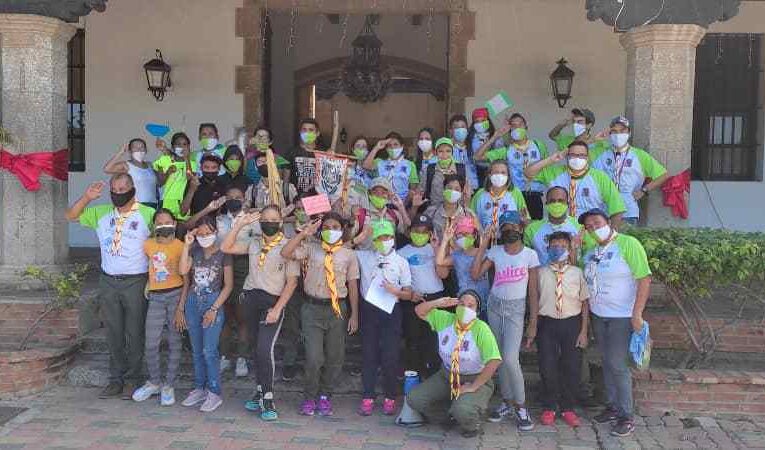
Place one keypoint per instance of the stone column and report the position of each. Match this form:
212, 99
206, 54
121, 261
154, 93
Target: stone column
661, 63
33, 60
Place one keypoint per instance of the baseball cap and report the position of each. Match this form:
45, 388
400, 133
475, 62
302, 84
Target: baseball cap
480, 114
620, 120
382, 227
381, 182
422, 220
509, 217
211, 157
444, 141
592, 212
588, 115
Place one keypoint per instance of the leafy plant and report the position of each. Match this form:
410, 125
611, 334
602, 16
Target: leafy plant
62, 292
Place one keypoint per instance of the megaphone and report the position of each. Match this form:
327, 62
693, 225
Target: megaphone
409, 417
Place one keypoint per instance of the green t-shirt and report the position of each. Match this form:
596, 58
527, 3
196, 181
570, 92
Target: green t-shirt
478, 346
175, 186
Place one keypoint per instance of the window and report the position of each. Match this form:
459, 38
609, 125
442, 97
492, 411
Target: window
76, 101
727, 120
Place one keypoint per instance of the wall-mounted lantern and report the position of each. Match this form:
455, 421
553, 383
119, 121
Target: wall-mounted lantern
561, 81
158, 76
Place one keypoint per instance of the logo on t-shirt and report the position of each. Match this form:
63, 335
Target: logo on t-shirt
416, 260
488, 205
586, 192
134, 225
628, 163
534, 154
159, 263
609, 161
445, 340
510, 275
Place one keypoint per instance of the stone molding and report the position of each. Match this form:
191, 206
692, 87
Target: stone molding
662, 34
18, 30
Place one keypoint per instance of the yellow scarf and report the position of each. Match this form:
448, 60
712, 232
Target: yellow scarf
267, 246
454, 371
572, 186
496, 199
274, 180
560, 271
119, 222
329, 271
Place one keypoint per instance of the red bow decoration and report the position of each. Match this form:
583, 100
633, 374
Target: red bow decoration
674, 190
28, 166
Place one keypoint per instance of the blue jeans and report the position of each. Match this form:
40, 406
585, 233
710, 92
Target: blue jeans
613, 338
204, 341
631, 220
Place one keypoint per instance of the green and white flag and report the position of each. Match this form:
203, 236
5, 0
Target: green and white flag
499, 103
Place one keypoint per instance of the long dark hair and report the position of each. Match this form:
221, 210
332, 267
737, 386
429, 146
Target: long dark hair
498, 162
472, 133
234, 150
432, 134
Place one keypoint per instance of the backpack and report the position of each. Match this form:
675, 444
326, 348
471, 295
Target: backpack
430, 171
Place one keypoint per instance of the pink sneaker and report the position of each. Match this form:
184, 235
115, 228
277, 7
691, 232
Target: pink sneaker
307, 408
325, 406
389, 407
367, 404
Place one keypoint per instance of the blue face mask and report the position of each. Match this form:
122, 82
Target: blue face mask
460, 134
557, 254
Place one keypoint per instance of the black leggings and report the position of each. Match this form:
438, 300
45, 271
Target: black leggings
262, 337
534, 204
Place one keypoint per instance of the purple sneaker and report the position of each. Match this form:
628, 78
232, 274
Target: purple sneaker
308, 407
325, 406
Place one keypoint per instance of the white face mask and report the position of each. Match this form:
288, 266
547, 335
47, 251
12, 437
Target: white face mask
178, 151
517, 134
468, 315
386, 246
603, 233
139, 156
334, 236
498, 179
579, 129
619, 140
211, 144
577, 163
206, 241
425, 145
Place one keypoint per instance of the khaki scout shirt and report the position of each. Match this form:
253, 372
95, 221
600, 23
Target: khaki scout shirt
575, 292
272, 277
345, 263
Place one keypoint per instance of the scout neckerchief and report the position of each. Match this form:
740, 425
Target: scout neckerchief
454, 371
523, 150
495, 200
329, 271
267, 246
592, 266
118, 223
620, 159
574, 178
560, 271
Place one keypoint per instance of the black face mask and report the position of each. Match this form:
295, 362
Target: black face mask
270, 228
233, 206
165, 231
263, 171
120, 200
210, 176
510, 237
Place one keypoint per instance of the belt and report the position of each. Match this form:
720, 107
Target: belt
164, 291
319, 301
124, 277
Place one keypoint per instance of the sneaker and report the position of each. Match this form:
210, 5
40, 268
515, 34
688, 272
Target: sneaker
502, 411
127, 391
570, 418
269, 410
389, 407
167, 396
607, 416
308, 407
212, 402
255, 404
355, 371
225, 364
195, 397
366, 407
289, 373
241, 368
523, 419
112, 390
144, 392
623, 428
325, 406
547, 418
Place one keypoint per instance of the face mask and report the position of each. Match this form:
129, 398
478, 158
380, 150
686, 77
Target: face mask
120, 200
164, 230
138, 156
518, 134
395, 152
179, 151
498, 180
556, 209
557, 254
578, 129
300, 216
377, 201
577, 163
452, 196
425, 145
465, 315
602, 233
460, 134
233, 206
384, 247
510, 236
331, 236
209, 176
263, 171
262, 146
270, 228
233, 165
206, 241
209, 143
481, 127
360, 153
444, 163
465, 242
419, 239
619, 140
308, 137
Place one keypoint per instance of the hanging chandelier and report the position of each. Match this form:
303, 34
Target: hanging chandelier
365, 77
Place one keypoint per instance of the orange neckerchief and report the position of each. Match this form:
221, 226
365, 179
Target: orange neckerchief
119, 222
572, 186
560, 271
267, 246
329, 271
454, 370
495, 200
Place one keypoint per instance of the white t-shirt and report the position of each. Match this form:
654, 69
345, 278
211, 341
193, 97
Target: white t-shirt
130, 259
511, 272
392, 266
145, 182
422, 264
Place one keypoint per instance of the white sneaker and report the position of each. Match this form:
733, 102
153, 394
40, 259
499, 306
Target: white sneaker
195, 397
167, 396
503, 410
212, 402
225, 364
241, 368
145, 391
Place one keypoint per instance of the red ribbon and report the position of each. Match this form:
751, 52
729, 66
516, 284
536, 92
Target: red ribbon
28, 166
675, 189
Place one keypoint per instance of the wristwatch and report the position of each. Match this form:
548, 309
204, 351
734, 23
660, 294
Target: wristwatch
214, 309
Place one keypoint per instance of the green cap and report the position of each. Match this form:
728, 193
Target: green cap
382, 227
444, 141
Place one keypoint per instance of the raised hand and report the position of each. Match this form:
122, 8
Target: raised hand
194, 182
503, 130
216, 204
311, 227
94, 190
558, 156
247, 218
449, 231
190, 236
418, 198
448, 302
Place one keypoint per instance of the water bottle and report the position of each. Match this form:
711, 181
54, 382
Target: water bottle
411, 379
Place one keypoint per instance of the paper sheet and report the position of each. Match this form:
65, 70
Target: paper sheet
499, 103
378, 296
316, 204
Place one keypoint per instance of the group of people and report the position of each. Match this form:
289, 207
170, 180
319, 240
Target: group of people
482, 238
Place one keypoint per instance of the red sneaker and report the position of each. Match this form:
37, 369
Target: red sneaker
570, 418
389, 406
547, 417
367, 404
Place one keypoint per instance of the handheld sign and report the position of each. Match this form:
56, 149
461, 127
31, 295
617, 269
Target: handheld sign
316, 204
157, 130
499, 103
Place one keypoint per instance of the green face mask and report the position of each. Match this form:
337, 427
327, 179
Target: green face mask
233, 165
556, 209
452, 196
300, 216
444, 163
419, 239
377, 201
360, 153
262, 146
464, 314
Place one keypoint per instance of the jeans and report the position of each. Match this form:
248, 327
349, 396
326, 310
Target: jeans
324, 338
420, 341
123, 310
506, 322
613, 338
381, 348
161, 316
204, 341
262, 336
559, 361
631, 220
